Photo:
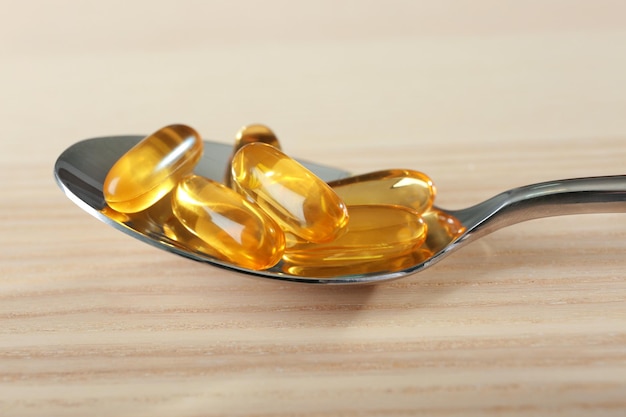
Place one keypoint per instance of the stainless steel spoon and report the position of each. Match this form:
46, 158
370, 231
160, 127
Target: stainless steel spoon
81, 169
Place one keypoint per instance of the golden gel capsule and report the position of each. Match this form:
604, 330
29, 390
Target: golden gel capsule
184, 239
298, 200
255, 133
443, 228
238, 230
402, 187
250, 134
374, 233
384, 265
152, 168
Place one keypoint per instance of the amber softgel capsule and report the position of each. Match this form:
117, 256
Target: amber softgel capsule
152, 168
443, 228
375, 233
377, 266
239, 231
299, 201
403, 187
254, 133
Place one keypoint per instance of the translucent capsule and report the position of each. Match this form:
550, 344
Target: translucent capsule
443, 228
298, 200
152, 168
403, 187
384, 265
187, 241
237, 230
255, 133
375, 233
250, 134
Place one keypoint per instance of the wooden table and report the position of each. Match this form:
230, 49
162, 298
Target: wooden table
482, 95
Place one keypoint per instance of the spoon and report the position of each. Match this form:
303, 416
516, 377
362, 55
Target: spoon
80, 171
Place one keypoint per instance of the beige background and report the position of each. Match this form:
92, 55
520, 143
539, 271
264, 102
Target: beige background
482, 95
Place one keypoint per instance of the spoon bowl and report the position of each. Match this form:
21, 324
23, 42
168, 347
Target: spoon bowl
81, 169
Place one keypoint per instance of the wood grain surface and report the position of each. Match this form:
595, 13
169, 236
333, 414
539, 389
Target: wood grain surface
482, 95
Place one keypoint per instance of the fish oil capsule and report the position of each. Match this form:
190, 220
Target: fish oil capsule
238, 230
250, 134
256, 133
443, 228
187, 241
402, 187
375, 233
152, 168
299, 201
383, 265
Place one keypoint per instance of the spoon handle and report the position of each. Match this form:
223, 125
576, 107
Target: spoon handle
552, 198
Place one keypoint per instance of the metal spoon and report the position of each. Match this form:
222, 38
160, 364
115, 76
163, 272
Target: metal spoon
81, 169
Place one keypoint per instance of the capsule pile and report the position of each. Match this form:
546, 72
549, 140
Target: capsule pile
271, 211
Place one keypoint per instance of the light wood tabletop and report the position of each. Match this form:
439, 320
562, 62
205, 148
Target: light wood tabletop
482, 95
